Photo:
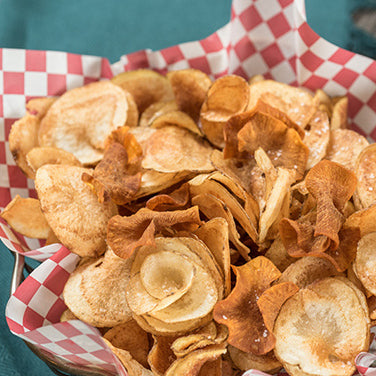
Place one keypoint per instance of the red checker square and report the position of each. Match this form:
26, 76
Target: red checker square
311, 61
272, 55
56, 84
76, 359
354, 105
89, 80
357, 129
308, 36
110, 367
15, 327
244, 48
372, 102
221, 74
60, 254
69, 345
27, 290
137, 60
14, 82
2, 153
33, 193
200, 63
250, 18
278, 25
345, 77
370, 72
33, 320
373, 134
212, 43
67, 329
315, 82
56, 280
285, 3
172, 54
8, 125
268, 76
341, 56
240, 72
38, 337
1, 106
103, 355
17, 179
292, 62
74, 64
106, 71
35, 61
96, 339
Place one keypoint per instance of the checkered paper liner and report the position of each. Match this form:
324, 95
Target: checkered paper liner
269, 37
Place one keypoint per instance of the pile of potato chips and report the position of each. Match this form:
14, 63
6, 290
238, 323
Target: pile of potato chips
222, 226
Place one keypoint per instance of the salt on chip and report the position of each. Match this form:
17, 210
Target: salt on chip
80, 120
39, 106
25, 216
146, 87
156, 110
365, 173
190, 87
72, 210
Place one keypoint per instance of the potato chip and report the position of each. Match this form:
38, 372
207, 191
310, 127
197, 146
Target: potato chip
23, 137
67, 315
345, 146
72, 209
296, 103
177, 199
324, 102
364, 220
95, 291
125, 234
321, 329
156, 110
25, 216
365, 173
80, 120
40, 156
240, 312
130, 337
132, 114
339, 115
278, 255
146, 87
161, 355
190, 87
39, 106
245, 361
178, 119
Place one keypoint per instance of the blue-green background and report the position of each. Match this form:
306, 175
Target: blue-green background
112, 28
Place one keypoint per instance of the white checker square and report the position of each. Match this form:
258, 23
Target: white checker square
284, 73
4, 178
323, 48
302, 73
359, 63
363, 88
289, 15
56, 62
52, 333
300, 47
32, 243
91, 66
261, 36
364, 119
23, 192
40, 273
84, 328
91, 359
224, 34
255, 64
15, 310
328, 69
218, 61
1, 82
156, 60
239, 6
2, 130
118, 67
87, 343
301, 10
30, 183
234, 62
192, 50
332, 88
42, 301
14, 106
74, 80
35, 83
56, 349
237, 31
8, 155
268, 9
182, 64
286, 44
14, 60
68, 263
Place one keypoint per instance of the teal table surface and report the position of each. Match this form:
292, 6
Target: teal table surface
112, 28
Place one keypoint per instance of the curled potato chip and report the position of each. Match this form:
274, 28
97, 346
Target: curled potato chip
39, 106
190, 87
339, 114
72, 209
324, 101
345, 146
278, 255
25, 216
40, 156
321, 329
132, 115
125, 234
178, 199
365, 173
130, 337
156, 110
240, 312
95, 291
23, 137
364, 220
161, 355
80, 120
296, 103
146, 87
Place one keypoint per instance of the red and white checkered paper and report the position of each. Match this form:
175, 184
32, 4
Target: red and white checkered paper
269, 37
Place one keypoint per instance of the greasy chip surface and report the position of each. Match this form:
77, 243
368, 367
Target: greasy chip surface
72, 209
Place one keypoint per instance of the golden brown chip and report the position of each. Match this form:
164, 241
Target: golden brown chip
364, 220
146, 87
39, 156
256, 78
365, 173
161, 355
125, 234
339, 115
67, 315
25, 216
23, 137
132, 115
240, 312
278, 255
177, 199
130, 337
345, 146
190, 87
321, 329
156, 110
95, 291
80, 120
324, 101
39, 106
178, 119
72, 210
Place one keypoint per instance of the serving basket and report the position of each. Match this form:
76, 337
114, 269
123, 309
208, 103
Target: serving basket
268, 37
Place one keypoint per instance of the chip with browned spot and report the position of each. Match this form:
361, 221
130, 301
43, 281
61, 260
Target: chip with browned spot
178, 119
365, 173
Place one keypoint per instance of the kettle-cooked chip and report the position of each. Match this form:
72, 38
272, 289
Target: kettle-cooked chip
161, 355
177, 199
81, 119
339, 114
39, 106
146, 87
72, 210
156, 110
365, 173
364, 220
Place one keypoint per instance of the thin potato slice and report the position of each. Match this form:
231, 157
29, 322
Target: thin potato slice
39, 106
161, 355
178, 119
324, 101
80, 120
25, 216
177, 199
23, 137
132, 115
321, 329
365, 173
339, 115
146, 87
278, 255
156, 110
364, 220
72, 209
